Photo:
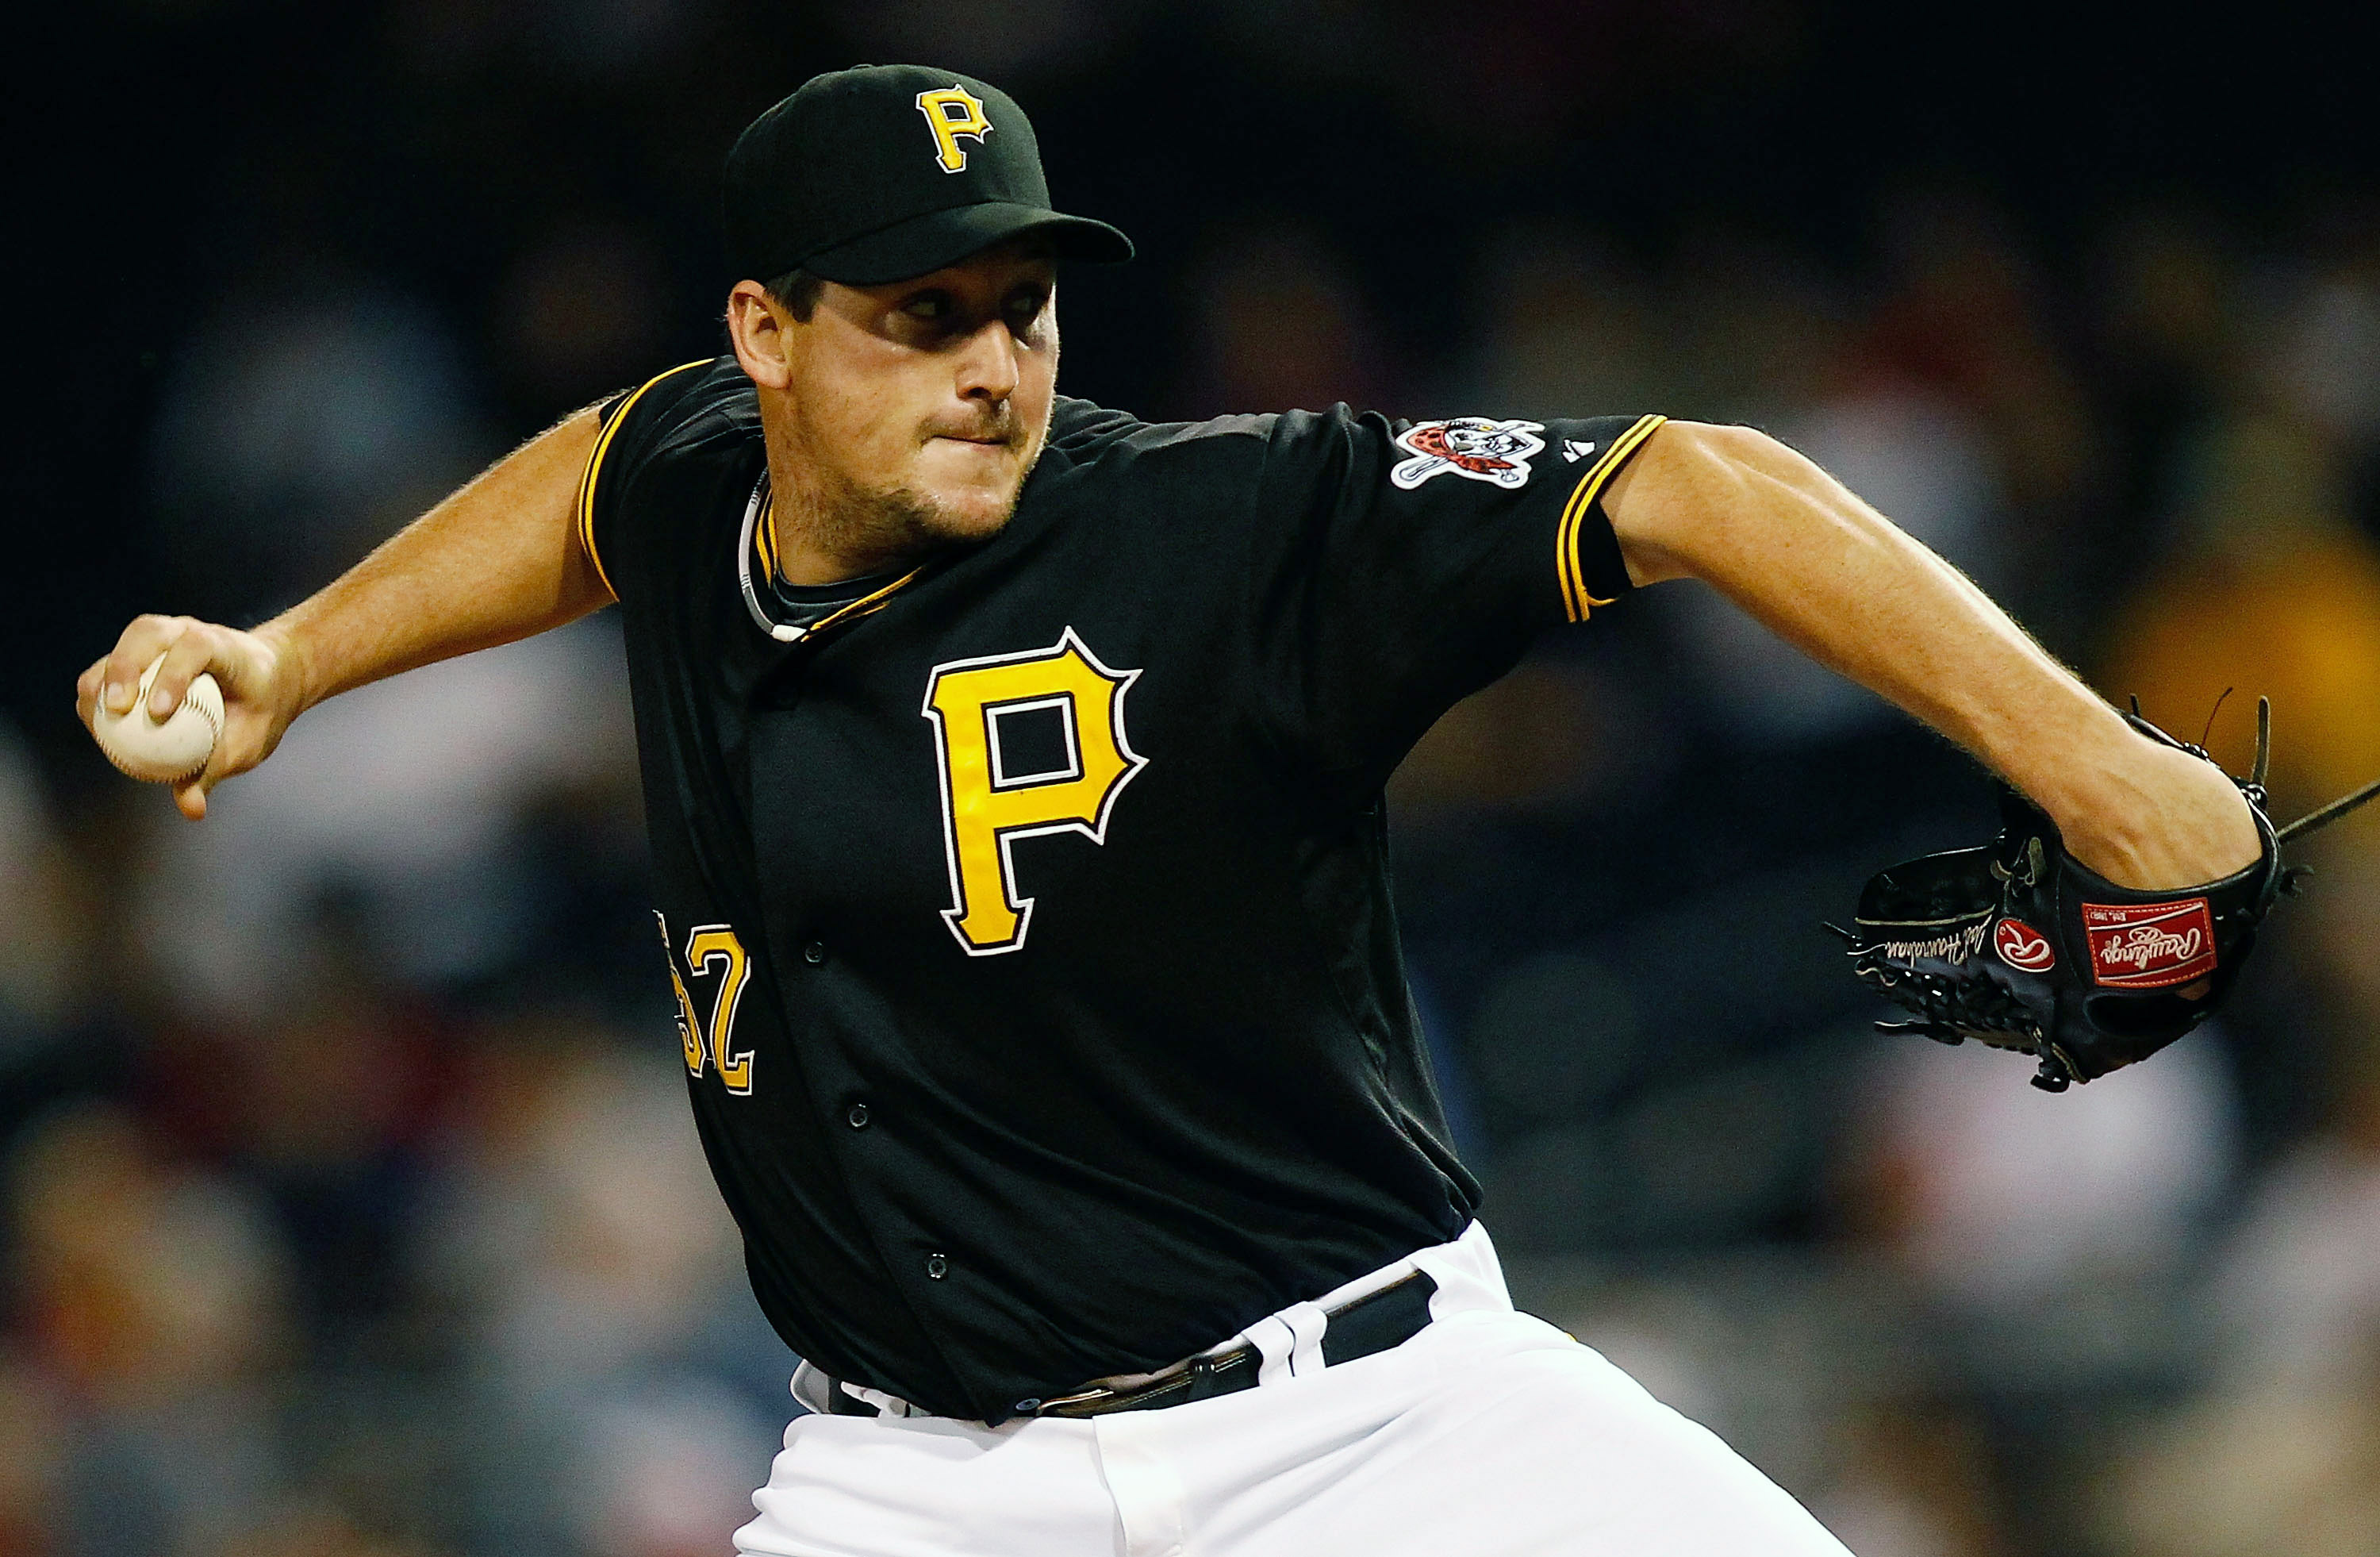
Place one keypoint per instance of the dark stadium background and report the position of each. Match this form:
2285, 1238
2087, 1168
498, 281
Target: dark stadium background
346, 1203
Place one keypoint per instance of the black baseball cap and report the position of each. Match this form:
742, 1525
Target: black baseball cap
883, 171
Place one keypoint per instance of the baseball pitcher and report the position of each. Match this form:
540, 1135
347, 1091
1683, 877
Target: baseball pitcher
1013, 773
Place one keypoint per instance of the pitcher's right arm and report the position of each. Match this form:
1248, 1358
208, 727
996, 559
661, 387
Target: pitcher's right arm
500, 559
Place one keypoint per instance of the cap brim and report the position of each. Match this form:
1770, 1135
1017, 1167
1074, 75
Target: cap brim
924, 244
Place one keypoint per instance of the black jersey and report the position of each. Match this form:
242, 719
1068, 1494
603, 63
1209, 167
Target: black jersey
1038, 982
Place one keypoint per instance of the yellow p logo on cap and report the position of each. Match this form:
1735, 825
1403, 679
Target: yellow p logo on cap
953, 111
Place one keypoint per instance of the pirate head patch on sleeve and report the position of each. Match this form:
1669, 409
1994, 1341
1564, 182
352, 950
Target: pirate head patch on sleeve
1478, 447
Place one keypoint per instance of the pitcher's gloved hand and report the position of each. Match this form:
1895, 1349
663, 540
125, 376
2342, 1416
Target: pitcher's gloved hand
2022, 947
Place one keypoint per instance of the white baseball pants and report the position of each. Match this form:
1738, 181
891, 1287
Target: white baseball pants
1489, 1433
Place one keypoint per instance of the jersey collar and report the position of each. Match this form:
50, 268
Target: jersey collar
756, 543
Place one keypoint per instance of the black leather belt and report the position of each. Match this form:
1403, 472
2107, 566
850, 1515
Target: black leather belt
1374, 1322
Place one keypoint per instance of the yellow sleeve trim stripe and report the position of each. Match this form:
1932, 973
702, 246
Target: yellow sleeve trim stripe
595, 463
1575, 600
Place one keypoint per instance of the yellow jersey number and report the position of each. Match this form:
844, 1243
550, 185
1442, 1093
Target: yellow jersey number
711, 952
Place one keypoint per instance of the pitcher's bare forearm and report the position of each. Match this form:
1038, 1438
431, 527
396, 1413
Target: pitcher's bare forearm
499, 560
1828, 574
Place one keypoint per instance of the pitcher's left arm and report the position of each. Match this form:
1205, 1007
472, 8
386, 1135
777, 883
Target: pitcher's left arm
1791, 545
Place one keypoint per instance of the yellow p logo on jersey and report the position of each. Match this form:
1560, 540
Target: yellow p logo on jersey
988, 804
953, 111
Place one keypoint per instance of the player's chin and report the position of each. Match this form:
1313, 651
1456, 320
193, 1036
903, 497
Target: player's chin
976, 499
973, 521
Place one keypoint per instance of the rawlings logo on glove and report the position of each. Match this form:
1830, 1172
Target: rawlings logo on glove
2148, 948
2021, 945
2086, 976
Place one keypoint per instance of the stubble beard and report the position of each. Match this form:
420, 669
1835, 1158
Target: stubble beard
876, 528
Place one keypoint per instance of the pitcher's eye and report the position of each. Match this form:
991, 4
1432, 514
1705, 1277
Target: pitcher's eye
933, 305
1024, 308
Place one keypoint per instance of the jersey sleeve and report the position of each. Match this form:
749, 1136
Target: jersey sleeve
632, 425
1399, 567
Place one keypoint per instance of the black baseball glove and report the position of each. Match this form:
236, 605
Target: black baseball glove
2021, 946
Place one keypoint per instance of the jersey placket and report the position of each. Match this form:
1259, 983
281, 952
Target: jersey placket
866, 1136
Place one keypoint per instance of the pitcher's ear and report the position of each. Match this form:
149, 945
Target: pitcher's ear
760, 327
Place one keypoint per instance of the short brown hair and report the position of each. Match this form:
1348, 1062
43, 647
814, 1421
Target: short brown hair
798, 292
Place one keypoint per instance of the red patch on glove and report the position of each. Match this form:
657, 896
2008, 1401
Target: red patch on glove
2021, 946
2149, 945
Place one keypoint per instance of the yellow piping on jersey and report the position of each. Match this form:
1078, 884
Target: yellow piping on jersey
867, 604
595, 463
764, 537
1575, 600
759, 539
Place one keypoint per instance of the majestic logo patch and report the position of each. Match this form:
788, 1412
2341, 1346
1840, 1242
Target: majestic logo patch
2021, 946
1477, 447
954, 111
2150, 946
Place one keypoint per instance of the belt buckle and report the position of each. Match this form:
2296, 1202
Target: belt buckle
1057, 1405
1196, 1377
1193, 1375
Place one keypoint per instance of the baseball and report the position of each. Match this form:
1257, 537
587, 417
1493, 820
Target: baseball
163, 750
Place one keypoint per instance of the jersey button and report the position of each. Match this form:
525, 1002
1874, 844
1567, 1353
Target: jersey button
858, 1116
936, 1267
814, 952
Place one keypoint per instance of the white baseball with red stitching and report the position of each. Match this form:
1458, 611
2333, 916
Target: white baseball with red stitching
165, 750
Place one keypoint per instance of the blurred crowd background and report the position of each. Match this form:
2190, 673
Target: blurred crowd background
348, 1205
